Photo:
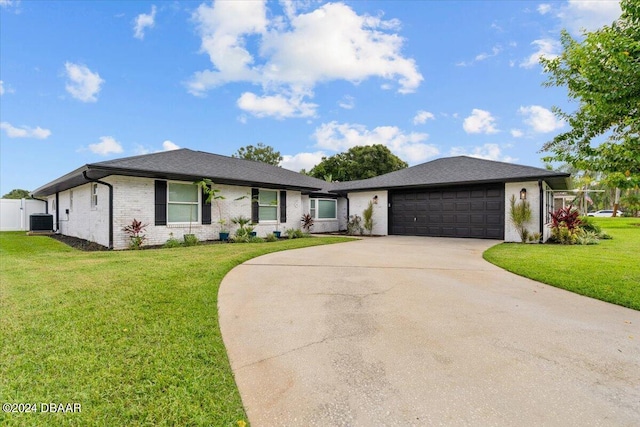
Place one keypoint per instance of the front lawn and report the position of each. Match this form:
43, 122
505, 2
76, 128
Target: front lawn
609, 271
131, 336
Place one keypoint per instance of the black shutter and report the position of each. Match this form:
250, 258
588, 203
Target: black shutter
283, 206
161, 202
255, 208
206, 209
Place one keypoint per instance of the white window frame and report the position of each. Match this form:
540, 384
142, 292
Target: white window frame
264, 205
314, 212
198, 209
94, 195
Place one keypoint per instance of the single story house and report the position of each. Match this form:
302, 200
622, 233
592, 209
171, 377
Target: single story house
452, 197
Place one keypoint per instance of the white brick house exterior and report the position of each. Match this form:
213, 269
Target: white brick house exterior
133, 198
455, 197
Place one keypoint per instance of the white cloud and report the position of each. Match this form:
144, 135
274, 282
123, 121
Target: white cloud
169, 146
8, 3
83, 84
495, 51
1, 87
517, 133
422, 116
410, 147
580, 15
141, 149
480, 121
540, 119
166, 146
544, 8
486, 151
277, 106
546, 48
106, 146
302, 160
24, 131
144, 21
297, 51
347, 102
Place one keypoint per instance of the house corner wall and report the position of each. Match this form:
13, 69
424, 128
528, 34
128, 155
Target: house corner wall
359, 201
533, 198
81, 219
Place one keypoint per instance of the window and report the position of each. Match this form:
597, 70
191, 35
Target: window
71, 201
268, 205
549, 205
53, 205
323, 208
94, 196
183, 203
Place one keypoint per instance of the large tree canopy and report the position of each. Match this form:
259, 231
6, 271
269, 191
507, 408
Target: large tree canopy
359, 162
17, 193
259, 153
602, 73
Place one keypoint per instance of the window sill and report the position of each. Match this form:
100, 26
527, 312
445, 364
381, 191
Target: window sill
184, 225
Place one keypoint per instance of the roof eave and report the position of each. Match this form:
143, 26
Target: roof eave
559, 181
76, 178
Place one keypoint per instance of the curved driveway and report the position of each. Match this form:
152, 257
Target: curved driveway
422, 331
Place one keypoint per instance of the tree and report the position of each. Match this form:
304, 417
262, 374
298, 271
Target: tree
259, 153
602, 73
359, 162
17, 194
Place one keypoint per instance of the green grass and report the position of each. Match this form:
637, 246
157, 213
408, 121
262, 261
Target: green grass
132, 336
609, 271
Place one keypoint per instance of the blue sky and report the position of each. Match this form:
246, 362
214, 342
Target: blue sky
87, 81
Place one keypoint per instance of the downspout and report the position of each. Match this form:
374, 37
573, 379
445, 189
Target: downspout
84, 173
57, 210
542, 205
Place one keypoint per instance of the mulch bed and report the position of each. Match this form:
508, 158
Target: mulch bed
77, 243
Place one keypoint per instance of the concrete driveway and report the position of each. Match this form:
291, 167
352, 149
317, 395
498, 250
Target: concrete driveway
422, 331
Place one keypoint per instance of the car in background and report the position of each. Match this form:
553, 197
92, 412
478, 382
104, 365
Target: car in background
604, 213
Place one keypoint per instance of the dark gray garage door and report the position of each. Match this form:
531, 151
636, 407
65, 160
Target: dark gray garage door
472, 211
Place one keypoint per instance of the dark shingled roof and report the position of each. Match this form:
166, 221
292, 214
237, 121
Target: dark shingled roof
188, 165
455, 171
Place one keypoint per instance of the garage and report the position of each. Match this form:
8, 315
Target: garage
475, 211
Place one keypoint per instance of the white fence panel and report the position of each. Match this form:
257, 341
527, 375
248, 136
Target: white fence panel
14, 213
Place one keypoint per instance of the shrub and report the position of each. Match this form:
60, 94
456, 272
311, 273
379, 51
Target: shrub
134, 231
520, 215
172, 242
190, 240
239, 239
584, 237
307, 222
587, 224
565, 223
533, 237
564, 235
368, 217
294, 233
354, 226
271, 238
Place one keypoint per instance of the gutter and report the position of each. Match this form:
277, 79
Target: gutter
57, 212
84, 174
